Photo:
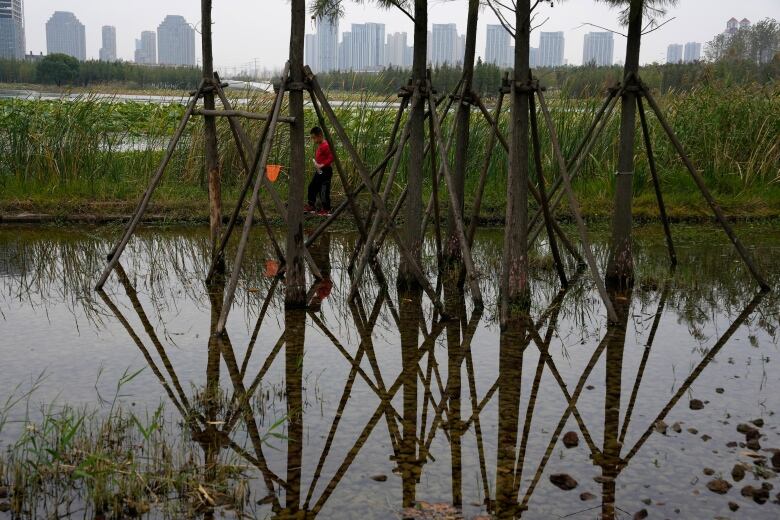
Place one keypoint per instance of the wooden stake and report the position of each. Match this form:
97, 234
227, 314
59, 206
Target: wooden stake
468, 260
656, 181
144, 203
575, 208
719, 215
415, 267
548, 218
231, 288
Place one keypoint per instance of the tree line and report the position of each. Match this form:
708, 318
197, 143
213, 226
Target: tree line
62, 70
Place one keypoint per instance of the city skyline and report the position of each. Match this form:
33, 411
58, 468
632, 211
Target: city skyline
12, 32
571, 18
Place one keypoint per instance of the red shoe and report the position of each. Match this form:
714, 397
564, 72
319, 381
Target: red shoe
323, 213
308, 209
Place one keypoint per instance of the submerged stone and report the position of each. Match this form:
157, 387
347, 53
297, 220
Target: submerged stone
718, 486
571, 439
696, 404
563, 481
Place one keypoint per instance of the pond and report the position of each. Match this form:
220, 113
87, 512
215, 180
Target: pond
378, 408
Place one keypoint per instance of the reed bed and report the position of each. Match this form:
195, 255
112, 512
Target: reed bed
92, 152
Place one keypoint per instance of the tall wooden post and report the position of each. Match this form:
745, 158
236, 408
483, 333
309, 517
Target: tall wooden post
620, 269
452, 250
296, 271
412, 235
514, 275
210, 134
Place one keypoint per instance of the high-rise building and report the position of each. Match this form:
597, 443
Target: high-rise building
598, 49
744, 24
12, 40
551, 46
345, 51
65, 35
445, 43
692, 52
533, 57
327, 45
497, 46
108, 50
366, 50
674, 53
146, 48
175, 42
396, 54
310, 52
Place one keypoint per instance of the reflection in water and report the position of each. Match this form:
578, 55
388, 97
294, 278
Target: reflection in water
439, 415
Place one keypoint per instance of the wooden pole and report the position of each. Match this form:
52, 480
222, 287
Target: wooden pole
548, 218
456, 212
435, 192
155, 180
210, 135
231, 288
383, 213
575, 208
719, 215
485, 169
656, 181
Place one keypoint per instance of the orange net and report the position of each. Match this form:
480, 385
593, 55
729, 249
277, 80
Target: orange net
272, 171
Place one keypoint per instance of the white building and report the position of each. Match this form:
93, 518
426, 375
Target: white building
175, 42
327, 45
445, 45
310, 54
65, 35
12, 39
397, 52
146, 48
363, 48
692, 52
598, 49
674, 53
551, 47
498, 43
108, 50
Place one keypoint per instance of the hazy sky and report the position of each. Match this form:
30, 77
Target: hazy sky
248, 30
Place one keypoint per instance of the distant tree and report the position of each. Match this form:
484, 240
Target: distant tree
758, 43
58, 69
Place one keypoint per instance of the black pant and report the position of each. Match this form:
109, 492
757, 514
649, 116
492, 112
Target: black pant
320, 185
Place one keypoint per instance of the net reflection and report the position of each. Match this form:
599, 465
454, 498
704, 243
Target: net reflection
434, 398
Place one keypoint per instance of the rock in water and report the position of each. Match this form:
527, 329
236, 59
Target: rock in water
708, 471
719, 390
661, 426
587, 496
696, 404
758, 422
776, 460
641, 515
718, 486
571, 439
5, 507
379, 478
738, 472
563, 481
677, 428
744, 428
733, 506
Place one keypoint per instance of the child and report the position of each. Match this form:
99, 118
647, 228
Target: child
320, 183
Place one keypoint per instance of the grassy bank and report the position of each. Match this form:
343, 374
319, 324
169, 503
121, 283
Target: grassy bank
94, 157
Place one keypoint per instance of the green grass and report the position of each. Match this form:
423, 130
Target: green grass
75, 157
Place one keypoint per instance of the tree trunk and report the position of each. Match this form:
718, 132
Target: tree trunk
452, 250
412, 234
296, 272
410, 312
515, 290
620, 270
210, 135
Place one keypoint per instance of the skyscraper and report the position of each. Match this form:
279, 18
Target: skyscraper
692, 52
598, 49
367, 46
674, 53
395, 50
310, 52
12, 40
551, 45
327, 45
65, 35
445, 43
497, 46
146, 48
345, 51
108, 50
176, 42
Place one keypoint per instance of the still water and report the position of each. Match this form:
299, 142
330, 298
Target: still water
380, 409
